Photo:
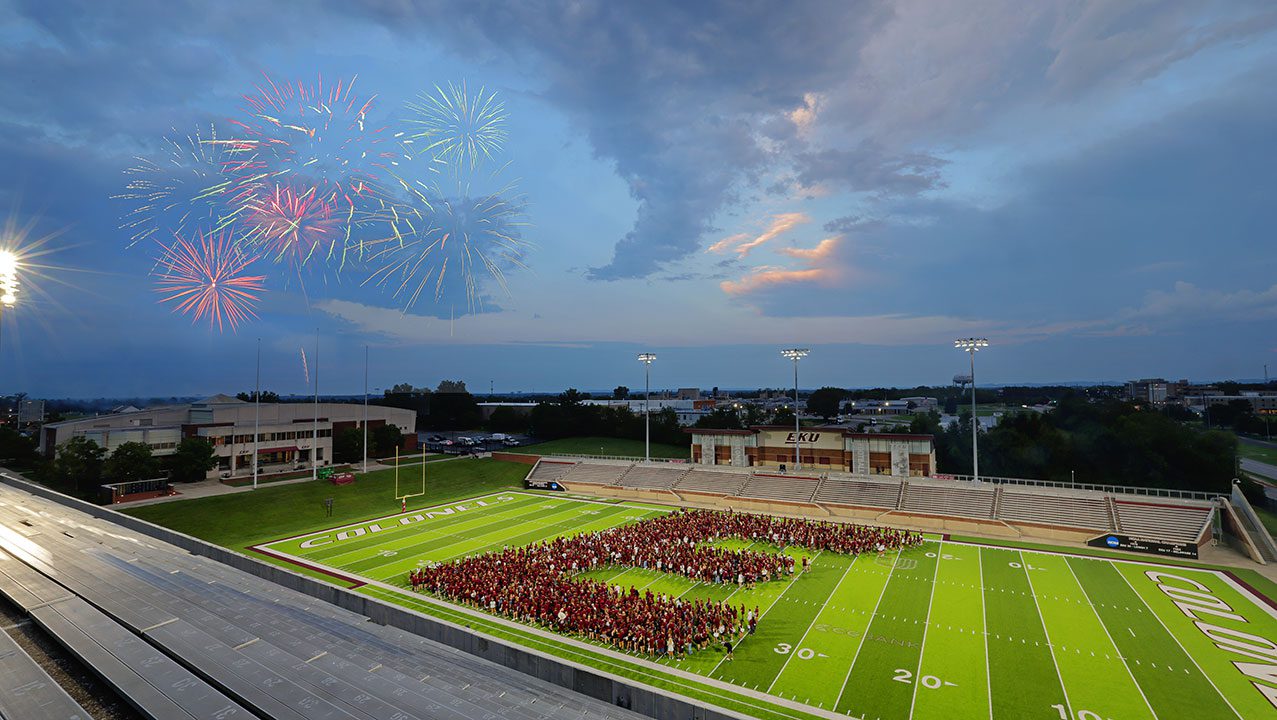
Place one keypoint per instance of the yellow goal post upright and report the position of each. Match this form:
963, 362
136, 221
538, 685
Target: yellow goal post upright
403, 498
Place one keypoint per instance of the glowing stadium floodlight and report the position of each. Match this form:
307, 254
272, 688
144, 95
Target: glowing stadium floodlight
646, 359
796, 354
972, 346
8, 282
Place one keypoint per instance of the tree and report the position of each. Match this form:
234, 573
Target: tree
131, 461
783, 416
383, 440
16, 448
451, 386
951, 405
620, 392
723, 418
825, 401
78, 464
192, 460
267, 396
348, 445
507, 420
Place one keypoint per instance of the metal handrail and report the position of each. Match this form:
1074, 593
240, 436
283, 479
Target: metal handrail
626, 458
1112, 489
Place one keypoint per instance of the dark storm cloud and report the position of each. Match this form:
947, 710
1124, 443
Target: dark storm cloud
1191, 192
870, 168
675, 94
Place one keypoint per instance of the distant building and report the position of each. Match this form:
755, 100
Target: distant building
1261, 403
286, 430
688, 411
822, 449
1156, 391
689, 394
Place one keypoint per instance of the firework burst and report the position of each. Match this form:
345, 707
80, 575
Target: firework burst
456, 128
446, 245
188, 185
208, 279
313, 133
295, 226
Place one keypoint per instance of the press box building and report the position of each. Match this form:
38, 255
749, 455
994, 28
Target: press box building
832, 449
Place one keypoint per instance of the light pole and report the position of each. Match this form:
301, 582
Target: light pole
314, 423
646, 359
8, 289
796, 354
1267, 433
423, 454
257, 411
972, 346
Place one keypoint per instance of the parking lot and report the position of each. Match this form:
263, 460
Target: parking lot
463, 442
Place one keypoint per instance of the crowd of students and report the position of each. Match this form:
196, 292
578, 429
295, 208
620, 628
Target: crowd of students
539, 583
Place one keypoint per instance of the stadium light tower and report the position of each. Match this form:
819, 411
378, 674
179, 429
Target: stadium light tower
646, 359
796, 354
972, 346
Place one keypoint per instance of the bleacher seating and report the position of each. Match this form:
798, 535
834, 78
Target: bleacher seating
713, 481
27, 691
1156, 521
656, 477
549, 471
1055, 507
595, 473
870, 493
935, 498
253, 648
780, 487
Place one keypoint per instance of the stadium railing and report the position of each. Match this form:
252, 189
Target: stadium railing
626, 458
1112, 489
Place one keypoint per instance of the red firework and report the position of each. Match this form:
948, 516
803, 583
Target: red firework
295, 225
207, 280
317, 132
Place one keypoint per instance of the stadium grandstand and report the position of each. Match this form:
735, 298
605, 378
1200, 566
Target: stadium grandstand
996, 506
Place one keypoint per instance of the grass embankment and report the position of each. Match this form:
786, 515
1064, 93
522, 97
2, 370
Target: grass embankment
1259, 453
604, 446
240, 520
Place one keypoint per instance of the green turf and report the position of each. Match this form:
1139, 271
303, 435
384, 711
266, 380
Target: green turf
604, 446
947, 630
242, 519
1261, 453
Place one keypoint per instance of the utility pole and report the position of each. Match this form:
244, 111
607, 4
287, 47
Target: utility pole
257, 411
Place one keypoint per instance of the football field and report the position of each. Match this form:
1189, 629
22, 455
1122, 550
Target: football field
947, 630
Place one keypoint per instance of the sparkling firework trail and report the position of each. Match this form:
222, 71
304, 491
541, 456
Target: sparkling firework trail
442, 244
456, 128
295, 225
189, 184
305, 367
208, 279
318, 134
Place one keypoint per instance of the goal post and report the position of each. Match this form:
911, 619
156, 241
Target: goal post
401, 492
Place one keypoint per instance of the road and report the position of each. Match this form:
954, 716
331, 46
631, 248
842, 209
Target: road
1258, 468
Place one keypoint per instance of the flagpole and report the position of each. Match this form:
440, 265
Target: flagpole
365, 409
257, 411
314, 442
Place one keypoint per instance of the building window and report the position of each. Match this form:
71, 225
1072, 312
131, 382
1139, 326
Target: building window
919, 465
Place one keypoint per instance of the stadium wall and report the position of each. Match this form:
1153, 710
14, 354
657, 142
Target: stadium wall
579, 678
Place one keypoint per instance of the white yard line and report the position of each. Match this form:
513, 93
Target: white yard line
984, 616
1116, 650
792, 582
865, 634
1181, 645
801, 640
917, 676
1024, 565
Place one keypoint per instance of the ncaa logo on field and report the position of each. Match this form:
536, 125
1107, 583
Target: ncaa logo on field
1112, 541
